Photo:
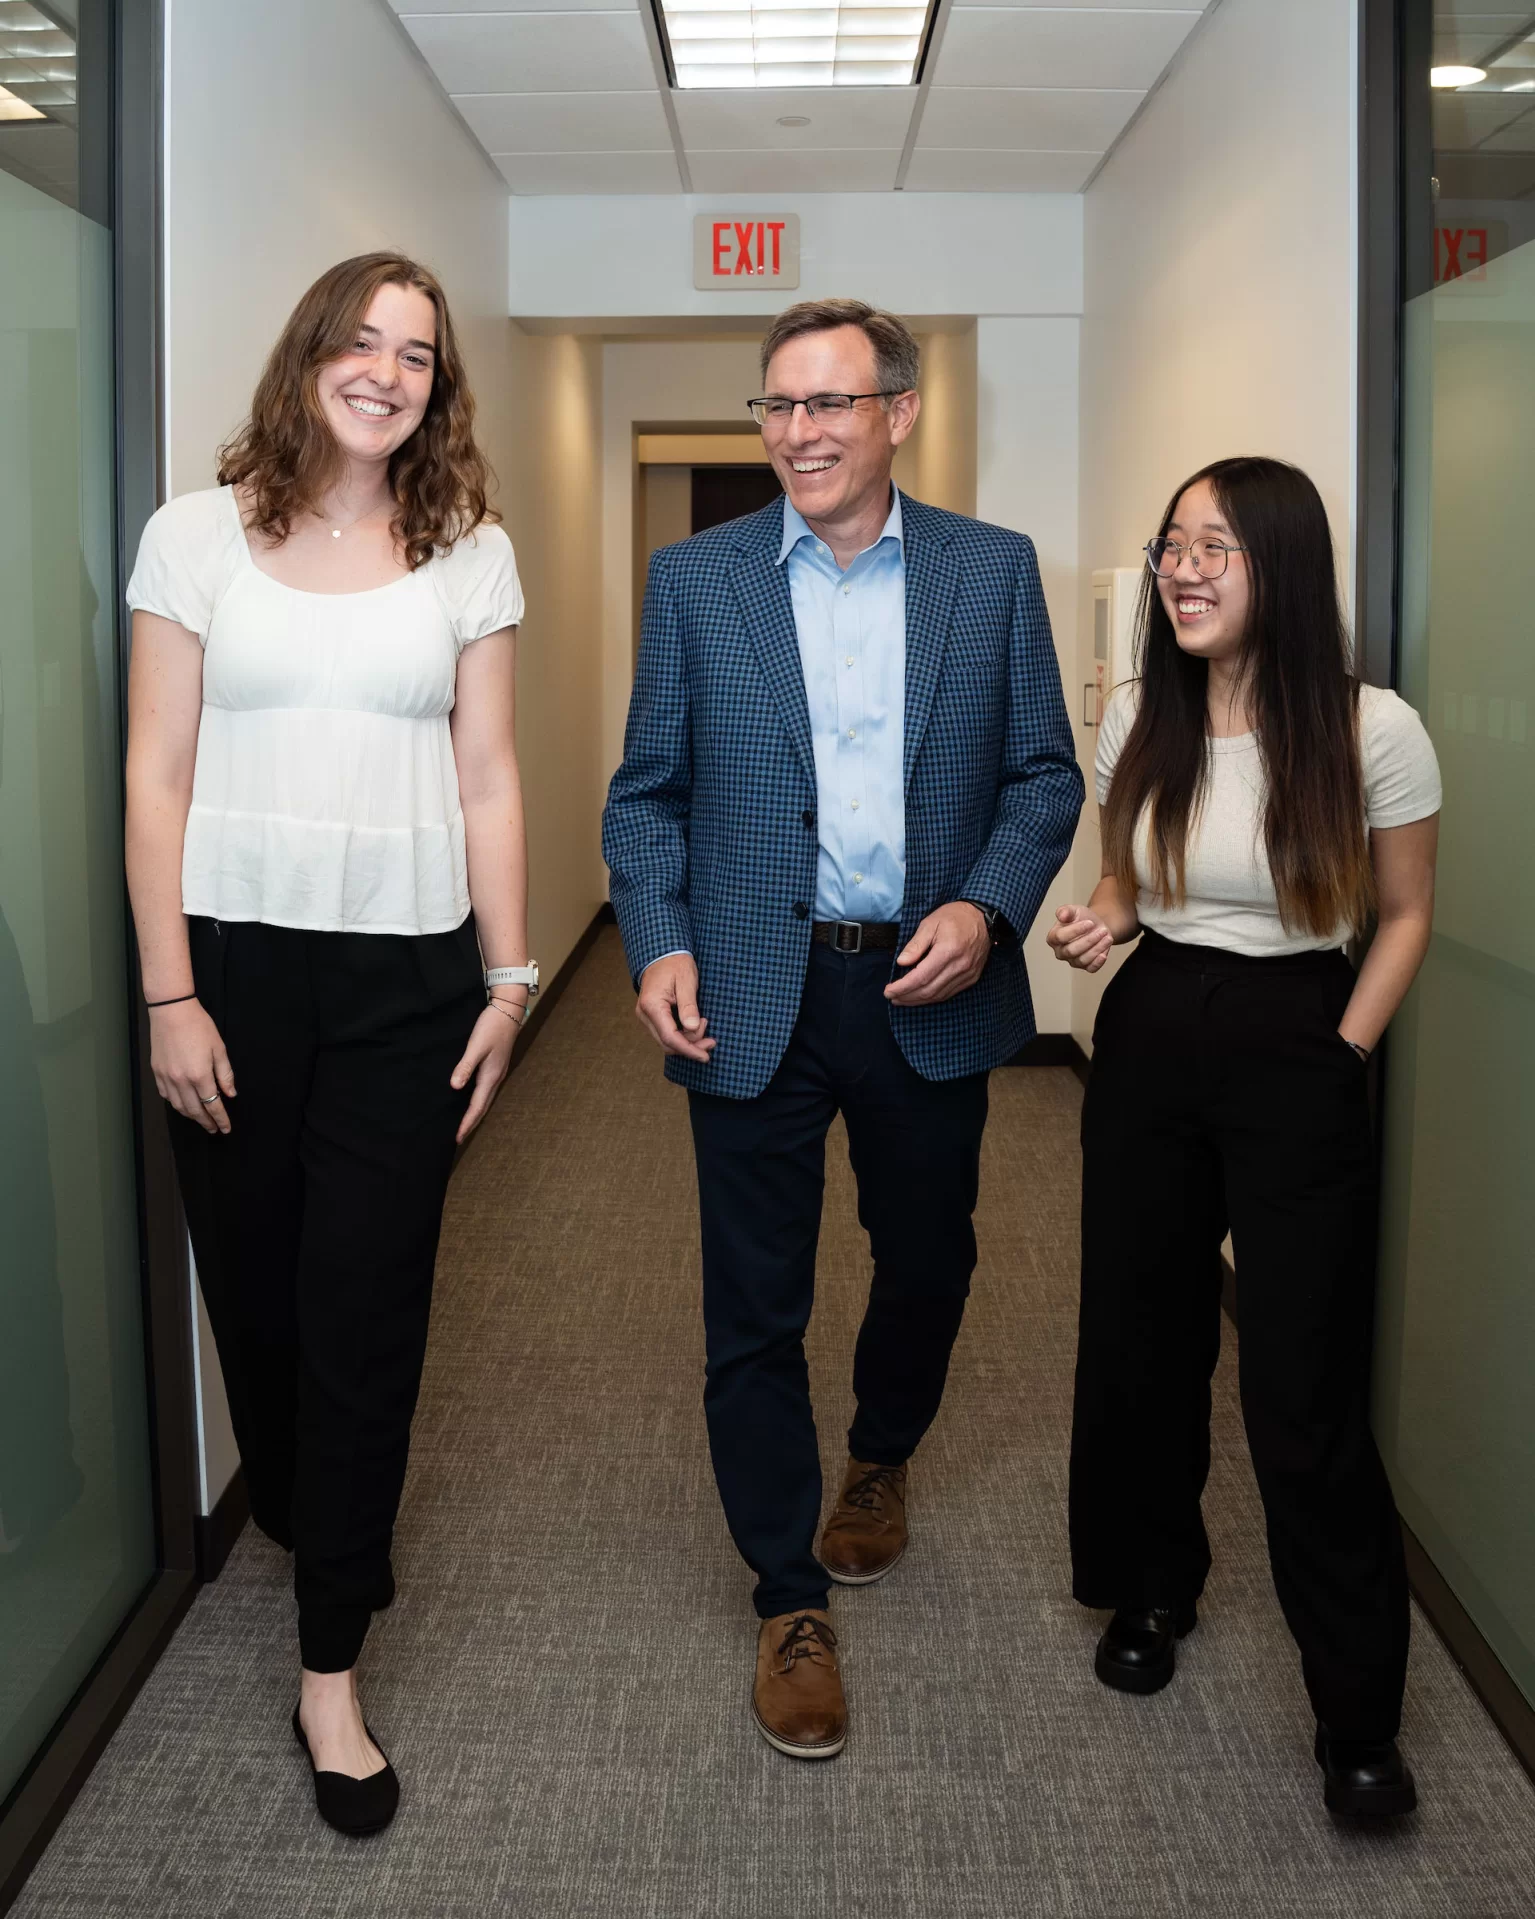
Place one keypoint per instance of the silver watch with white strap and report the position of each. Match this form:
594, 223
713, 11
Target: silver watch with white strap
514, 976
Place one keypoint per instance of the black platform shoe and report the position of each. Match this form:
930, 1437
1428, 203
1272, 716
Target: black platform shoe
1137, 1652
356, 1807
1364, 1779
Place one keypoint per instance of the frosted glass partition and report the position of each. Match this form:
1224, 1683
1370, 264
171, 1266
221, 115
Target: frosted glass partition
77, 1537
1455, 1389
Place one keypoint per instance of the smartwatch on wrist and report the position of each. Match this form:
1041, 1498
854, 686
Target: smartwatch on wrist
997, 924
513, 976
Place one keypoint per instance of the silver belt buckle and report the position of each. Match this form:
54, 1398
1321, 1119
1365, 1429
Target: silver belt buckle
853, 944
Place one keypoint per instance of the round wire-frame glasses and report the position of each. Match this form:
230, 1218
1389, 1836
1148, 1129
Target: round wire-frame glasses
1210, 557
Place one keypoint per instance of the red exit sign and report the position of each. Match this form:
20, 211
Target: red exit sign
1463, 252
738, 252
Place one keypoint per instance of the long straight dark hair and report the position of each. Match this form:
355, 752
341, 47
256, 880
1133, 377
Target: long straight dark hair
1296, 669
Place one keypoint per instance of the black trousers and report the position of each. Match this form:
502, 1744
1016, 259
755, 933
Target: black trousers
1221, 1096
915, 1147
315, 1222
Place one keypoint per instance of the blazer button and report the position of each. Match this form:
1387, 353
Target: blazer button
808, 817
801, 910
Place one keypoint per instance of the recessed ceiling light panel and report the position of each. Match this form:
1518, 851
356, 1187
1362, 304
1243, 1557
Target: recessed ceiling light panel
1457, 76
786, 43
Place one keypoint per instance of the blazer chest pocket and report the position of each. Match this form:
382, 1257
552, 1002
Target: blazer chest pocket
973, 655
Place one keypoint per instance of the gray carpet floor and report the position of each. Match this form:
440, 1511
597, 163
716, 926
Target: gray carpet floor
563, 1680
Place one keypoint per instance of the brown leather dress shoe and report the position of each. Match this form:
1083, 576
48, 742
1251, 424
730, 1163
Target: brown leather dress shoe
797, 1701
866, 1533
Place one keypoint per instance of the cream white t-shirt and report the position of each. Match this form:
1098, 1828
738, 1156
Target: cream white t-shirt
325, 793
1231, 898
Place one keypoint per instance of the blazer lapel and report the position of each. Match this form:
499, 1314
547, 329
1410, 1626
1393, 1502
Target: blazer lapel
762, 586
932, 579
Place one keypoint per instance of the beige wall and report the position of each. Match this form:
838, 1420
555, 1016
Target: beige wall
1219, 304
295, 136
946, 427
1026, 446
654, 383
552, 498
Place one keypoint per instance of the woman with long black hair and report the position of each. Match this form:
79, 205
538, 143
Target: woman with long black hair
1259, 807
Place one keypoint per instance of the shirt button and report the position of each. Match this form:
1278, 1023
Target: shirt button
858, 879
850, 659
855, 806
847, 589
852, 733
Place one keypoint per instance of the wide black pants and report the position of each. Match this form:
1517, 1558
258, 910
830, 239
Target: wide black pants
314, 1223
1221, 1096
915, 1147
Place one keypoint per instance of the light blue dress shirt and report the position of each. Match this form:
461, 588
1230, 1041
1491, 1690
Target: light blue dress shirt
852, 646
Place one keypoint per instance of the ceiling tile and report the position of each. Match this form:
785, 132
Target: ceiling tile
1038, 119
567, 122
1519, 137
535, 52
1463, 120
1025, 46
940, 170
842, 117
590, 172
772, 172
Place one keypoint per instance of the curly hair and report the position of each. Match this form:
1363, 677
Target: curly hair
286, 456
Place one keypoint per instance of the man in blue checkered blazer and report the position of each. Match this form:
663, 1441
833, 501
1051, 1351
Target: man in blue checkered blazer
848, 781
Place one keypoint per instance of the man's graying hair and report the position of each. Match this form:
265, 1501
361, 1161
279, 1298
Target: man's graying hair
897, 357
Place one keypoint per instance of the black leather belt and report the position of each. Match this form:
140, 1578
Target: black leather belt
857, 936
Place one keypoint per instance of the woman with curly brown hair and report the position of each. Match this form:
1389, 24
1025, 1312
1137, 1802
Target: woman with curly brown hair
321, 781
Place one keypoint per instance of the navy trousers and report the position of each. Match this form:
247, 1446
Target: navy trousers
915, 1146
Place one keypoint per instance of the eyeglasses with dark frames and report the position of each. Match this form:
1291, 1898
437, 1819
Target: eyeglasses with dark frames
1210, 557
831, 406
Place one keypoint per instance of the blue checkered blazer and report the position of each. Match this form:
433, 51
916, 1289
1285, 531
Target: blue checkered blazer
709, 830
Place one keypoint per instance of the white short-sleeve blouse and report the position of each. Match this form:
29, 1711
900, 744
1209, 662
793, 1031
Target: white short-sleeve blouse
325, 793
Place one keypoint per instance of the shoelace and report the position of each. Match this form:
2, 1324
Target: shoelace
807, 1638
867, 1490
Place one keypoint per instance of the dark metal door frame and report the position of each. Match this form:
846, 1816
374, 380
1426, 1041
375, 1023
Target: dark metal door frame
130, 126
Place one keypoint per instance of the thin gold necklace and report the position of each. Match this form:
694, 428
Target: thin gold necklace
337, 531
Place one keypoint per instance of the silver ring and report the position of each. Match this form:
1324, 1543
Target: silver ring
212, 1097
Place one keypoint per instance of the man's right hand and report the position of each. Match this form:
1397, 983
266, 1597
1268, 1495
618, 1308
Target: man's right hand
668, 1007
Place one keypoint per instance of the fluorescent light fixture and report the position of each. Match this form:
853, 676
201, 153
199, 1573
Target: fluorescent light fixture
1524, 86
1457, 76
787, 43
13, 109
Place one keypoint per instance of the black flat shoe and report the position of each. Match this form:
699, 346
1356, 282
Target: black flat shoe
1364, 1779
356, 1807
1137, 1652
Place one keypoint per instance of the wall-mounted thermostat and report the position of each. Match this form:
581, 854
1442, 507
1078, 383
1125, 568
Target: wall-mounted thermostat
1116, 591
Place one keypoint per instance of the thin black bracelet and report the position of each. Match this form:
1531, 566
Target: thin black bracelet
151, 1004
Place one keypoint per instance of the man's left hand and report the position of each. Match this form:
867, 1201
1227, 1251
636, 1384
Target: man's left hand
947, 953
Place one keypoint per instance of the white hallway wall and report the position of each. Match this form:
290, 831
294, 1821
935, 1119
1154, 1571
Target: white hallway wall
1014, 261
1233, 329
297, 135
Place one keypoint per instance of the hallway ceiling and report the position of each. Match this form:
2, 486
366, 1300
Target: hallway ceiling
571, 96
